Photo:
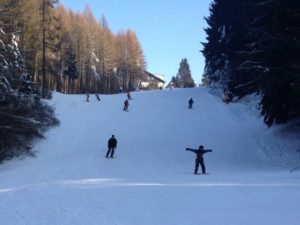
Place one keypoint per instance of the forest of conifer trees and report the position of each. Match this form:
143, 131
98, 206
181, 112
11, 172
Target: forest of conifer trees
253, 47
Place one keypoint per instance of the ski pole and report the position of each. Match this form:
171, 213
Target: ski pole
298, 150
295, 168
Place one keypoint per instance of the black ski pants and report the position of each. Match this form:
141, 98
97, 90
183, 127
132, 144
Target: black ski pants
111, 151
201, 162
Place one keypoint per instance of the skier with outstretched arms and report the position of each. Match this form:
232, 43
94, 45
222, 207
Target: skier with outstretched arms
199, 159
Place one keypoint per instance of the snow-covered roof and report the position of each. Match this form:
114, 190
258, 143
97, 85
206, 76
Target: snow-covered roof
158, 77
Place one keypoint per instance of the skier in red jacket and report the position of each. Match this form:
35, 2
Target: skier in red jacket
199, 159
128, 95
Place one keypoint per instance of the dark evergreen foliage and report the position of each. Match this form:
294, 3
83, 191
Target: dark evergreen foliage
70, 71
184, 78
23, 115
253, 46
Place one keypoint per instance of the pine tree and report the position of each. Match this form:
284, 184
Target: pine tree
184, 78
214, 53
276, 53
227, 44
70, 70
252, 47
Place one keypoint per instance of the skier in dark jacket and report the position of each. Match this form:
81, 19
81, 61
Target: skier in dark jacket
112, 144
126, 104
98, 97
191, 102
199, 159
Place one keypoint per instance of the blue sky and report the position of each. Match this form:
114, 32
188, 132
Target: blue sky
168, 30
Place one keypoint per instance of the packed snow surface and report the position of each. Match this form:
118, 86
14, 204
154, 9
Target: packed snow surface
151, 181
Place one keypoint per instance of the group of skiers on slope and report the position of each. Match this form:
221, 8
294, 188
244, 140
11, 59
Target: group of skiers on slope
199, 152
227, 97
88, 97
126, 102
112, 145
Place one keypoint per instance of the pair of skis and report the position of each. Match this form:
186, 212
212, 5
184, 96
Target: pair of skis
201, 173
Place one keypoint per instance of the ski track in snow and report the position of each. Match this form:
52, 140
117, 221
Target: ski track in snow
151, 182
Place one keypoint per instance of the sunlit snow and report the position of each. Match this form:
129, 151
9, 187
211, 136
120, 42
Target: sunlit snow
151, 181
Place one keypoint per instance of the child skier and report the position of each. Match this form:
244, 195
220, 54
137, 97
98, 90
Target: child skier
126, 103
128, 95
199, 159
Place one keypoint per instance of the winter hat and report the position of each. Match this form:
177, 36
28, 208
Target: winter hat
201, 147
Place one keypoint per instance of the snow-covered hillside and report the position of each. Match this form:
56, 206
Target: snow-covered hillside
151, 181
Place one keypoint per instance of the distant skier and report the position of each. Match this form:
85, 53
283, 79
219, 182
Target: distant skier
87, 97
199, 159
191, 102
226, 97
98, 97
128, 95
112, 145
126, 104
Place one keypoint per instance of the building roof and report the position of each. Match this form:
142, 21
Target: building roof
158, 77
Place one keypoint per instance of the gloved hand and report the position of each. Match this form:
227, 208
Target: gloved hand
186, 149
